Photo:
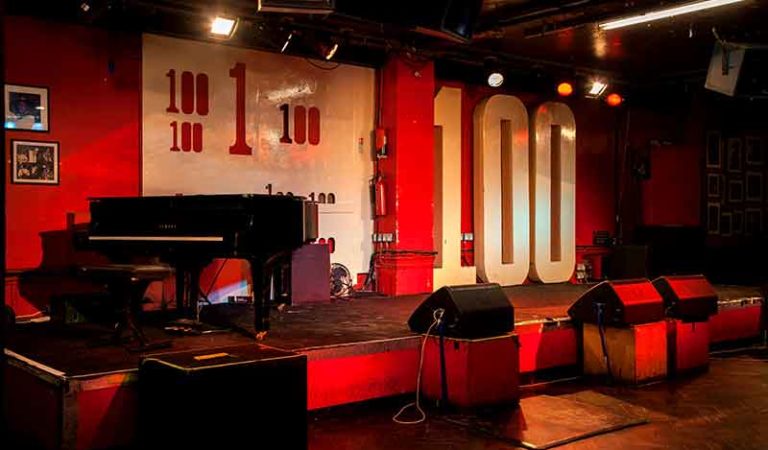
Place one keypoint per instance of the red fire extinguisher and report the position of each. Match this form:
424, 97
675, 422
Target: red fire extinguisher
380, 197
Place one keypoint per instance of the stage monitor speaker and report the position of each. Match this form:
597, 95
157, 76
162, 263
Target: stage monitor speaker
297, 6
687, 297
621, 303
236, 397
476, 310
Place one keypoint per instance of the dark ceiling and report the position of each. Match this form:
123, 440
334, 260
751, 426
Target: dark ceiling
528, 36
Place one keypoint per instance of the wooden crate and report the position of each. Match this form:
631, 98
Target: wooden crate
637, 353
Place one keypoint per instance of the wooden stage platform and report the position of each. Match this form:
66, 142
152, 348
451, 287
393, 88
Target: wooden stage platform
357, 350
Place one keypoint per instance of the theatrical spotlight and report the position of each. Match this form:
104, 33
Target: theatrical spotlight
564, 89
493, 74
614, 99
596, 88
223, 27
328, 47
287, 42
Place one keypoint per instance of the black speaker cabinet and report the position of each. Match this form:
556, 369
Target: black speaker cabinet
687, 297
476, 310
624, 302
242, 397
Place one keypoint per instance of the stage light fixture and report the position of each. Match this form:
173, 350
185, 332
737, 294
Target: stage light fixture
287, 42
596, 88
614, 99
495, 79
664, 13
564, 89
494, 76
329, 52
223, 27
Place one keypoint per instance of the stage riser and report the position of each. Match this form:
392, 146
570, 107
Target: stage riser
100, 412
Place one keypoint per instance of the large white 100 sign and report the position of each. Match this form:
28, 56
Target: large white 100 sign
524, 200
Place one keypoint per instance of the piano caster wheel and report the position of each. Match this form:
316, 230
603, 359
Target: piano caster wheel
261, 335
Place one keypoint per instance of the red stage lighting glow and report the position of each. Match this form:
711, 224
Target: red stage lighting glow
565, 89
614, 99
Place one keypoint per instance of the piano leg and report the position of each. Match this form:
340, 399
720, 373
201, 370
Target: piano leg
180, 289
260, 285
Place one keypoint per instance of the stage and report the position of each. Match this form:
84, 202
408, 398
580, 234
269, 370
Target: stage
357, 349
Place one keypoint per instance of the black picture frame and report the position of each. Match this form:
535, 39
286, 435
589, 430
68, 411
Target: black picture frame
714, 150
714, 185
735, 155
713, 218
27, 108
735, 191
35, 162
754, 151
754, 187
738, 222
753, 221
726, 224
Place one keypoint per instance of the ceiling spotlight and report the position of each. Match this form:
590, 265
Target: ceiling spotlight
223, 27
597, 88
494, 76
85, 6
614, 99
495, 79
564, 89
329, 52
664, 13
287, 41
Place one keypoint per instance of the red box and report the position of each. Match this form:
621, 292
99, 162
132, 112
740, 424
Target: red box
687, 346
478, 371
637, 353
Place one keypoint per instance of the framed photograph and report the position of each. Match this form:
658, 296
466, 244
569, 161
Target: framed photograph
714, 150
714, 185
726, 224
753, 221
734, 155
754, 150
738, 222
735, 191
713, 218
26, 108
754, 192
34, 162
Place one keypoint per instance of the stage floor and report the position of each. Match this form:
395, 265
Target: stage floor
71, 350
721, 409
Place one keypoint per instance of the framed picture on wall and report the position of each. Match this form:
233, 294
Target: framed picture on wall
726, 224
713, 218
738, 222
735, 191
753, 221
754, 190
714, 150
754, 150
734, 155
34, 162
26, 108
714, 185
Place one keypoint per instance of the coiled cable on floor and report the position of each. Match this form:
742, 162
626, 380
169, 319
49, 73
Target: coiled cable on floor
437, 316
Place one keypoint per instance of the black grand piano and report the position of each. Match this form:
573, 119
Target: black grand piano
188, 232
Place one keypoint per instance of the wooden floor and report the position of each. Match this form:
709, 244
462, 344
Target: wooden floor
72, 349
724, 408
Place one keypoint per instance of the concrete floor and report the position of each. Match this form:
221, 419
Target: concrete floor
724, 408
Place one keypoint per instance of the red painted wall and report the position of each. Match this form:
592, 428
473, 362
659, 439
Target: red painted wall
94, 115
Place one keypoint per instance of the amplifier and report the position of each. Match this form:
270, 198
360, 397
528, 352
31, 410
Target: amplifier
687, 297
625, 302
236, 397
